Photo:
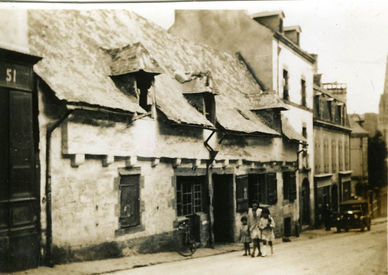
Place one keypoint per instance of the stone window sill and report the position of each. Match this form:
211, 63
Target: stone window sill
129, 230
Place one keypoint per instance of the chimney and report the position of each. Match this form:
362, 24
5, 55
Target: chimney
318, 79
271, 19
14, 30
339, 90
315, 65
293, 33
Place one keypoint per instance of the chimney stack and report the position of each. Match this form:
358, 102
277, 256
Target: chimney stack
293, 33
271, 19
338, 90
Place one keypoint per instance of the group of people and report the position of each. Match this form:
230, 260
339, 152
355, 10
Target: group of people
257, 227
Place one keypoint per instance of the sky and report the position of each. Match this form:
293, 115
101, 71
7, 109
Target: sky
349, 36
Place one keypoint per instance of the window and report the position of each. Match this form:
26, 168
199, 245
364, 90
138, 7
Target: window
242, 193
326, 155
129, 201
190, 195
317, 111
338, 115
303, 91
317, 154
144, 82
340, 155
262, 188
347, 162
210, 107
333, 155
304, 131
285, 85
289, 186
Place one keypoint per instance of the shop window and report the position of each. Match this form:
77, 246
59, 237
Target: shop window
289, 186
242, 193
262, 188
304, 131
190, 195
286, 95
303, 91
129, 201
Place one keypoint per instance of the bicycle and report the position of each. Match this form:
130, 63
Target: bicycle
186, 244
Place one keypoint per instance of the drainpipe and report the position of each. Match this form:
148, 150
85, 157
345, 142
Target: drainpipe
49, 238
212, 156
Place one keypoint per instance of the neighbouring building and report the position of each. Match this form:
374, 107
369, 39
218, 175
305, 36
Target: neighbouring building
273, 55
359, 156
332, 178
122, 130
383, 108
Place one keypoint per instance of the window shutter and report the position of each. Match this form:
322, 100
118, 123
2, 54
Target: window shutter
272, 188
292, 186
129, 201
242, 193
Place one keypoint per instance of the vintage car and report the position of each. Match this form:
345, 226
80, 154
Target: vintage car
353, 214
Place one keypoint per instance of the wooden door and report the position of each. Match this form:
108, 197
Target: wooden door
19, 205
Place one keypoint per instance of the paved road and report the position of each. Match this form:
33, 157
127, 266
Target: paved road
353, 252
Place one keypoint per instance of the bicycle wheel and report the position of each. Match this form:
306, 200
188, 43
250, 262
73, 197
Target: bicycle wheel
187, 248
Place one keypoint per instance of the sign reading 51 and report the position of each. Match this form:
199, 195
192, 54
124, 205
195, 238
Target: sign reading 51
15, 76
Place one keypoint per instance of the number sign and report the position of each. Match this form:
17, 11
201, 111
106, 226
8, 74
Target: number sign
15, 76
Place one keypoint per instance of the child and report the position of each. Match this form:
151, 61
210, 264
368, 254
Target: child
245, 235
266, 225
253, 222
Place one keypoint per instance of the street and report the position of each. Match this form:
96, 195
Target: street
353, 252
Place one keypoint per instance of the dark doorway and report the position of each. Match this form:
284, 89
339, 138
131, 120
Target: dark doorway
223, 227
334, 197
19, 199
305, 195
287, 227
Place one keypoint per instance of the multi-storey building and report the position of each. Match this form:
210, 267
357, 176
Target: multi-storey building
273, 54
121, 131
332, 178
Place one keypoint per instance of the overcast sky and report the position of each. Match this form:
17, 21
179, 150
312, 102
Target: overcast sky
350, 37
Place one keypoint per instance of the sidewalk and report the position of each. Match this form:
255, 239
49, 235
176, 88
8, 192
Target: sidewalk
125, 263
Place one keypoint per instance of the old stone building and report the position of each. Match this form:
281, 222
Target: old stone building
134, 130
332, 178
274, 57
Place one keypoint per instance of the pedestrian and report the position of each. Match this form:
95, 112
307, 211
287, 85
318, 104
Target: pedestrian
326, 216
245, 237
266, 225
254, 214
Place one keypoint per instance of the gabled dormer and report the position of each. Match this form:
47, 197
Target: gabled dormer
133, 71
198, 89
269, 106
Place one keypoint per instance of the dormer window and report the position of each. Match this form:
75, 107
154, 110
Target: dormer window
198, 90
133, 70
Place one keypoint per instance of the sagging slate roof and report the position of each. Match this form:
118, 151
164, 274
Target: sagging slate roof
133, 58
77, 65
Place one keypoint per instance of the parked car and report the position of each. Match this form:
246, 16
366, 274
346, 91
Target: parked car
353, 214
